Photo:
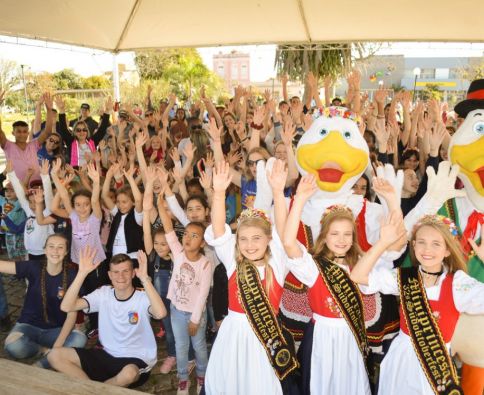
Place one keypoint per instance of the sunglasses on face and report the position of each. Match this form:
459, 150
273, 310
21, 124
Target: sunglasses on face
251, 163
149, 114
54, 141
81, 130
196, 127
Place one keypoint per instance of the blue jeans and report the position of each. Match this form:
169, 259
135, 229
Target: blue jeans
34, 338
3, 300
179, 323
161, 280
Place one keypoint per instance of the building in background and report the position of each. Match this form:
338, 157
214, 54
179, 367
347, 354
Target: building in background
397, 72
233, 67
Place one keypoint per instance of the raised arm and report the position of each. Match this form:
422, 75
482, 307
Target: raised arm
96, 189
221, 180
391, 230
277, 180
49, 121
157, 309
164, 216
38, 118
138, 197
306, 188
71, 300
107, 182
3, 137
147, 207
287, 136
60, 187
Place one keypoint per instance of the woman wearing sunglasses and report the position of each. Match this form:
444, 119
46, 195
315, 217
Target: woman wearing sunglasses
81, 145
51, 148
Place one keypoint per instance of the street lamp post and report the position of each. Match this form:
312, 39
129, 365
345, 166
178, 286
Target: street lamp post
416, 73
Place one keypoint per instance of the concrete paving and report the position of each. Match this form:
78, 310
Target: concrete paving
157, 384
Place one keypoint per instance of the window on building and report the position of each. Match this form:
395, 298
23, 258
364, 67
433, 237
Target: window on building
441, 74
427, 73
235, 71
455, 73
221, 70
243, 71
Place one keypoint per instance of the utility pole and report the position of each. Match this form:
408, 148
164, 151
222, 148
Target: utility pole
25, 91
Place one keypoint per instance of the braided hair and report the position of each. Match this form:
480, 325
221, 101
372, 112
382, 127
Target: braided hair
43, 290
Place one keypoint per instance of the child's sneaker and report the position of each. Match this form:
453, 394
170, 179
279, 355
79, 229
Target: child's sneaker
183, 387
168, 364
200, 382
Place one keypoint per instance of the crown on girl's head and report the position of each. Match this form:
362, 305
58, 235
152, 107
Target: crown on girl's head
336, 208
342, 112
250, 213
438, 219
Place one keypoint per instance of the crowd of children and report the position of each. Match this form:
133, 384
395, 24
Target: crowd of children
142, 222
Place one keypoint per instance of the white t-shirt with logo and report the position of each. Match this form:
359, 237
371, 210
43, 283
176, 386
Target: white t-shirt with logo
124, 325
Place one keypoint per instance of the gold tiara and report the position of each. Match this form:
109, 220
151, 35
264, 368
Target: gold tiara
250, 213
438, 219
336, 208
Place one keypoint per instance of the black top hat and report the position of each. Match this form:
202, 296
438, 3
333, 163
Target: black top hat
474, 99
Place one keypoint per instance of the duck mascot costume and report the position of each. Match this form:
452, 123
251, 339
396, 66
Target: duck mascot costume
466, 149
334, 150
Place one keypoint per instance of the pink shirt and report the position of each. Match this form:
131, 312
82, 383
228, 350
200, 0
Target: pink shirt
23, 159
190, 281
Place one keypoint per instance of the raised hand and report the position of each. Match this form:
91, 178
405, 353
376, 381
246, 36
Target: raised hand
3, 92
56, 166
234, 157
209, 162
278, 176
441, 186
436, 137
174, 155
129, 173
259, 115
93, 173
48, 101
214, 131
288, 133
221, 177
307, 187
205, 180
141, 138
395, 180
44, 168
86, 260
189, 151
392, 228
380, 95
38, 196
142, 270
59, 103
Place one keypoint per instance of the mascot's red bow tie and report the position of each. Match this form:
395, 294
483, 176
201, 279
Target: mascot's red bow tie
470, 231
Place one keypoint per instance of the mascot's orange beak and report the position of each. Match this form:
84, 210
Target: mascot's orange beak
332, 161
470, 158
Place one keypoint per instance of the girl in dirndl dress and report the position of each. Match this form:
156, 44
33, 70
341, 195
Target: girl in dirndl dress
330, 357
239, 364
449, 290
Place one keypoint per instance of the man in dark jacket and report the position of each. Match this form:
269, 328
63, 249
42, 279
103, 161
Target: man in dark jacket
85, 116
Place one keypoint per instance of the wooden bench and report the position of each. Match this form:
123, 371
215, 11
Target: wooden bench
20, 379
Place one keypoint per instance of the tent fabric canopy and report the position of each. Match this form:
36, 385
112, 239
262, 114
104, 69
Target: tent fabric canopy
123, 25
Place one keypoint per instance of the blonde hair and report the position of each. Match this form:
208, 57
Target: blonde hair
321, 250
456, 260
243, 262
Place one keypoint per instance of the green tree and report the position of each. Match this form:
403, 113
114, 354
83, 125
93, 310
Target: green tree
333, 59
96, 82
67, 79
9, 75
182, 68
431, 91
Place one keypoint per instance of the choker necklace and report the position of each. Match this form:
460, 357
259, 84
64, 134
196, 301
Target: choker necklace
433, 274
257, 260
339, 257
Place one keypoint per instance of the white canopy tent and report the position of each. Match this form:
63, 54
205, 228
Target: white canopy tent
122, 25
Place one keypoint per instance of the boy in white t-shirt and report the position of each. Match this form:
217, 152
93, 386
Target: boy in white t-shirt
129, 346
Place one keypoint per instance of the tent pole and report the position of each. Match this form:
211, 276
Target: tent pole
117, 95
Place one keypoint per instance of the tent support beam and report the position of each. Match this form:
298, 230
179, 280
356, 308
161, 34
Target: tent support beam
117, 93
302, 14
128, 24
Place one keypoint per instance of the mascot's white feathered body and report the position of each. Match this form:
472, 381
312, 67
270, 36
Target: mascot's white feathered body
467, 150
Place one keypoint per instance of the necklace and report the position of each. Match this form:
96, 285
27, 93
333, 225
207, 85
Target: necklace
439, 273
